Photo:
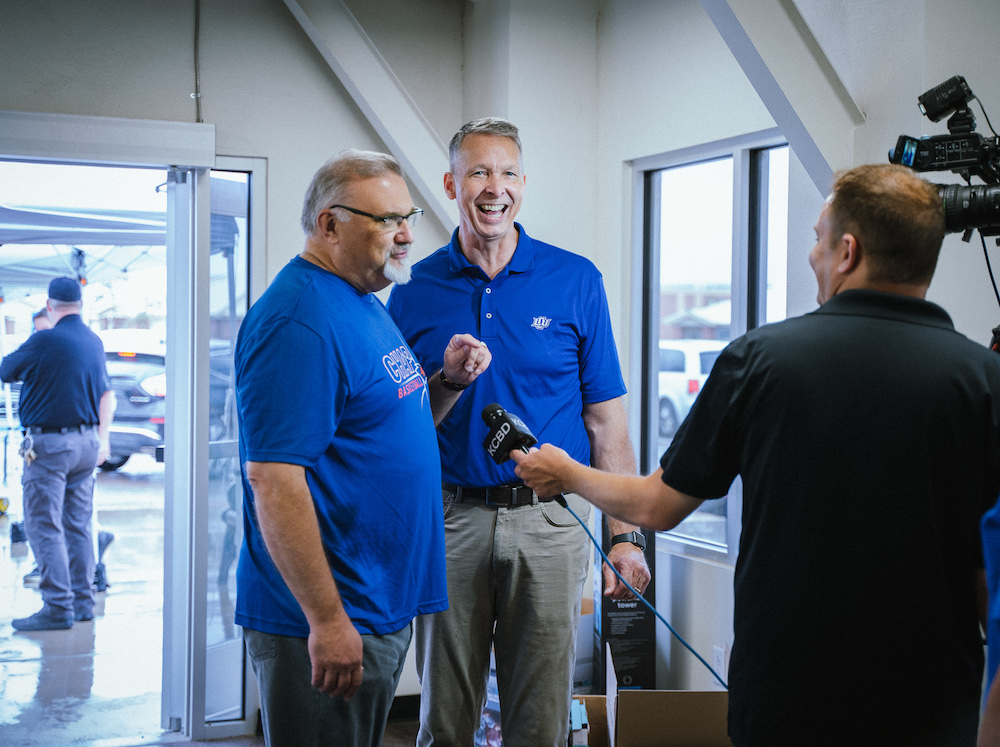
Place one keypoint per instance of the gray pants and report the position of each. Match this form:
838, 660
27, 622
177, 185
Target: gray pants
295, 714
58, 487
515, 578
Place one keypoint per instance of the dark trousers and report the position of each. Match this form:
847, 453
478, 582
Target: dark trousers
58, 487
296, 714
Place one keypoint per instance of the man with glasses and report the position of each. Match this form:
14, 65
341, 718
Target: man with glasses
343, 532
516, 563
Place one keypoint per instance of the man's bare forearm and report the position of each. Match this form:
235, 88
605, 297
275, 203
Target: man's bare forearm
645, 501
287, 520
610, 447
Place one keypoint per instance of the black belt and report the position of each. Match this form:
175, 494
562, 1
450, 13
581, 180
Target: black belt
498, 495
35, 429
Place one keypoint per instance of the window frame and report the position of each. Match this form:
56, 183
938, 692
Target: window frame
749, 280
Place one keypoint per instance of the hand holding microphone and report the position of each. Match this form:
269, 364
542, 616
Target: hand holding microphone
549, 471
544, 469
510, 438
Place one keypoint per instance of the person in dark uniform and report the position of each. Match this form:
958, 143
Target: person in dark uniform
66, 408
40, 320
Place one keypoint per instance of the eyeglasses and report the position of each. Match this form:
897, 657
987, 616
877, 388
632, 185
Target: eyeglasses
388, 222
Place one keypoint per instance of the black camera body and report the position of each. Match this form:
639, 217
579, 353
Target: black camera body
962, 151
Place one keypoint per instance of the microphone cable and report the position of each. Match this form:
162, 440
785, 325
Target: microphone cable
507, 433
641, 598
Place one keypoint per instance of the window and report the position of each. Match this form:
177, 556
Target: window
713, 257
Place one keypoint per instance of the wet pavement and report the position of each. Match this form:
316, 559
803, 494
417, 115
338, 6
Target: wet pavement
98, 682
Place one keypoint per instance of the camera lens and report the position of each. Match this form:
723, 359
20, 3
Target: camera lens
971, 207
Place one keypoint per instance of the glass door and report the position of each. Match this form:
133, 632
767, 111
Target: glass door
205, 692
228, 303
219, 697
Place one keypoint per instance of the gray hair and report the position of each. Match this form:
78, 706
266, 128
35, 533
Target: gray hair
484, 126
58, 305
335, 176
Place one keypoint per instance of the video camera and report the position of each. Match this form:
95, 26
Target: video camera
964, 152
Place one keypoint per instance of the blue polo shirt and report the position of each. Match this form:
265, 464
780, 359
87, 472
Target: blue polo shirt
324, 380
64, 375
545, 318
990, 533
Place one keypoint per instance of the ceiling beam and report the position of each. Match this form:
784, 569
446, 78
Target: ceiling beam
794, 78
383, 100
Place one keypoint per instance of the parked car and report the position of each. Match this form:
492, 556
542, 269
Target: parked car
137, 369
136, 361
138, 380
684, 366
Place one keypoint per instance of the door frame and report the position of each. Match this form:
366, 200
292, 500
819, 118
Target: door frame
187, 151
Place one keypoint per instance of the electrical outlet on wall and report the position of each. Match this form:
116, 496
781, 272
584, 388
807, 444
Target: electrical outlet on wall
719, 660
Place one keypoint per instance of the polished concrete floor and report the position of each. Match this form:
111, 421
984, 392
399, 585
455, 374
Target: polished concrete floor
99, 682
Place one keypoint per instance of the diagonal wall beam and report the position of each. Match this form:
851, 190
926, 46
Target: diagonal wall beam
795, 80
383, 100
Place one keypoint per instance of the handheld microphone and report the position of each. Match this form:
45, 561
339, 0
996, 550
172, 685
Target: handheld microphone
508, 433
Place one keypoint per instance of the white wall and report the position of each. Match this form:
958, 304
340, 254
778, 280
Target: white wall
592, 85
422, 42
958, 39
666, 81
264, 86
888, 53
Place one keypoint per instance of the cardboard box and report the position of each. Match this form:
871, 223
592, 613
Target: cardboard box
657, 718
583, 674
596, 732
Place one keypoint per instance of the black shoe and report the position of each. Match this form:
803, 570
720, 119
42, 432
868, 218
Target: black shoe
101, 577
17, 532
45, 619
83, 616
104, 538
33, 577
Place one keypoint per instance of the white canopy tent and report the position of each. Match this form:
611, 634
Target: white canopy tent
98, 245
102, 246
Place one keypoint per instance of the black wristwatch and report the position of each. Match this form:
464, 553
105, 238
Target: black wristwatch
453, 386
636, 538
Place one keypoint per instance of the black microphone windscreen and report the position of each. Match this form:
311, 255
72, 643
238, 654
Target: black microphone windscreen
491, 413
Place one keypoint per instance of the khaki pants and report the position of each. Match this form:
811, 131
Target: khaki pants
515, 579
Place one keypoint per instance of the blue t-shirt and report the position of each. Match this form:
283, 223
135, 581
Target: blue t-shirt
64, 375
990, 531
545, 318
325, 380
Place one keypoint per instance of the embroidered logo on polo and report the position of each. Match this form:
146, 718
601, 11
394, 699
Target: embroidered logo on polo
404, 370
540, 322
